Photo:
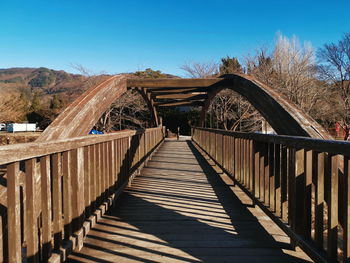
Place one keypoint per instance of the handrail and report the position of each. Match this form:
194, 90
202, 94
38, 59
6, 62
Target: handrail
52, 188
331, 146
22, 151
302, 183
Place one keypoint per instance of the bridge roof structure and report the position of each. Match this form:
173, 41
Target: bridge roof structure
284, 116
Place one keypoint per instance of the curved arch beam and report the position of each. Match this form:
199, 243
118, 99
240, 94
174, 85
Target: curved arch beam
284, 116
80, 116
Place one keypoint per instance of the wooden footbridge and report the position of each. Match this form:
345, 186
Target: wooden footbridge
134, 196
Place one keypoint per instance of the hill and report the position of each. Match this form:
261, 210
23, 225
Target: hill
40, 80
40, 94
41, 90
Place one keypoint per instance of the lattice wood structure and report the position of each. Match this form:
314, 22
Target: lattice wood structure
284, 117
58, 186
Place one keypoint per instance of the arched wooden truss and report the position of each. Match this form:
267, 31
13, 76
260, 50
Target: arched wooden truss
284, 117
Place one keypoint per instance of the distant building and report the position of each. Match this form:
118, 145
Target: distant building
21, 127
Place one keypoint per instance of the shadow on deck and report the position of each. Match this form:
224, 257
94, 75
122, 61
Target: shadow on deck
181, 210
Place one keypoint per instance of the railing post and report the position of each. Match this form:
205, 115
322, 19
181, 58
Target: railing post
78, 186
272, 178
332, 200
46, 206
300, 182
67, 194
87, 180
277, 173
13, 213
256, 168
31, 227
284, 182
346, 217
318, 174
307, 194
57, 199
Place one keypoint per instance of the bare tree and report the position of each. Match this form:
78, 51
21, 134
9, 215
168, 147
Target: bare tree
92, 79
334, 68
128, 112
200, 70
290, 68
228, 110
233, 112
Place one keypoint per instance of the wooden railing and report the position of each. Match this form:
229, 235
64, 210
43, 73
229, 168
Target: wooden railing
53, 192
302, 183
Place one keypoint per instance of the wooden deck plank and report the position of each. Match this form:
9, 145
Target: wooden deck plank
180, 210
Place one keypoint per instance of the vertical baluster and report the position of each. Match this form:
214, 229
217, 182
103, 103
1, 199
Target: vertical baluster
244, 168
115, 164
139, 147
332, 199
291, 187
119, 161
224, 149
277, 173
106, 169
318, 174
67, 194
77, 170
124, 154
111, 165
249, 163
239, 157
262, 172
251, 166
272, 179
234, 158
87, 181
256, 147
231, 154
346, 217
92, 177
31, 227
246, 164
300, 179
57, 199
98, 176
102, 171
284, 183
308, 191
267, 174
13, 213
46, 206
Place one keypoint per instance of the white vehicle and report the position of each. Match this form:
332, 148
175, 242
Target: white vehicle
21, 127
2, 127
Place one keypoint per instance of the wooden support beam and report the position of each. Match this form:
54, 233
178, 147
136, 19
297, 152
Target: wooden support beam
169, 91
182, 96
183, 103
172, 83
164, 102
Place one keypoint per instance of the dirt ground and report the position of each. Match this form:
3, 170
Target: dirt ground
18, 137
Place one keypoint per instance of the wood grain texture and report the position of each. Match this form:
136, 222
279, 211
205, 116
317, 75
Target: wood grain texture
23, 151
13, 213
180, 210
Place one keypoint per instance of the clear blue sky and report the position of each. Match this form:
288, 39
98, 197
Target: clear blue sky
122, 36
